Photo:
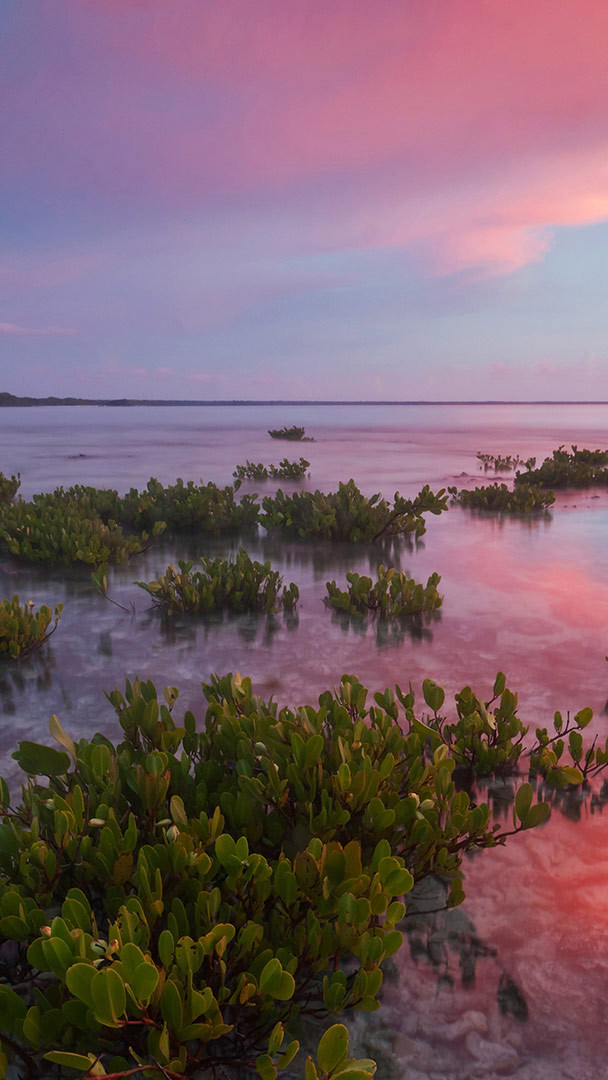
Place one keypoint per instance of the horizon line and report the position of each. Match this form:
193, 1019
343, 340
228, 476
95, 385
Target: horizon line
70, 400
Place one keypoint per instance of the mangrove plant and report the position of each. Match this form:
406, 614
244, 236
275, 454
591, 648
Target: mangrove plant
292, 434
520, 500
173, 903
23, 629
9, 488
348, 514
221, 585
285, 470
393, 595
575, 468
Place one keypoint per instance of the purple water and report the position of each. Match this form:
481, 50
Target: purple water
529, 597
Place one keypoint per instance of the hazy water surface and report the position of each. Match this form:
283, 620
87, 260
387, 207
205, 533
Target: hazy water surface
529, 597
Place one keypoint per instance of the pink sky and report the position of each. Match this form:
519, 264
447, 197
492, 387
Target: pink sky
234, 191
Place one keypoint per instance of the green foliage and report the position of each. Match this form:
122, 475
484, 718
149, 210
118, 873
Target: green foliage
22, 629
179, 900
205, 507
522, 500
581, 468
347, 514
53, 529
487, 742
285, 470
243, 585
562, 758
9, 488
391, 596
293, 434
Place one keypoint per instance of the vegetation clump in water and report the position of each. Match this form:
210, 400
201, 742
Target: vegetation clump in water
49, 530
292, 434
207, 507
579, 468
221, 585
151, 889
393, 595
521, 500
347, 514
285, 470
23, 629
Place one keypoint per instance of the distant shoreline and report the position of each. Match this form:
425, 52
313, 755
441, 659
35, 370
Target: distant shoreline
14, 401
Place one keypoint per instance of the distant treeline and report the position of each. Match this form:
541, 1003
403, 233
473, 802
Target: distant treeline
14, 400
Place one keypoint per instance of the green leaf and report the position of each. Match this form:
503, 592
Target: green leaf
109, 997
265, 1068
62, 737
38, 760
286, 988
333, 1047
144, 982
71, 1061
79, 979
271, 976
523, 801
536, 815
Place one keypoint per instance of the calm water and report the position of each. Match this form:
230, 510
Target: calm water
527, 597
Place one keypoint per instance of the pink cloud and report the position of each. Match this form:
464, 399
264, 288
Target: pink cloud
465, 132
43, 331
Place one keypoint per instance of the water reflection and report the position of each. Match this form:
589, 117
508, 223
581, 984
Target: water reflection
389, 633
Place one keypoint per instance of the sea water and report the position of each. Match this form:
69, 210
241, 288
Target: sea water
528, 596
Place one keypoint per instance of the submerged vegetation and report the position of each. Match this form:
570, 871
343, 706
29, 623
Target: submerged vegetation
174, 903
23, 629
221, 585
347, 514
285, 470
392, 596
520, 500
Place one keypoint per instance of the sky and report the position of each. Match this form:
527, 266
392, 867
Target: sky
327, 199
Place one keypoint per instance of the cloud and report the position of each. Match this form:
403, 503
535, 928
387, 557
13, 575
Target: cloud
43, 331
466, 132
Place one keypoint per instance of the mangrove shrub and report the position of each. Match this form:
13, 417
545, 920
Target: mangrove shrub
22, 628
348, 514
173, 903
392, 595
221, 585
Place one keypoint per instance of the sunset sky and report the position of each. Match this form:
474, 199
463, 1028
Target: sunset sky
397, 199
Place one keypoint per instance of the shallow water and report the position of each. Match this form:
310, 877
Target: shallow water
527, 597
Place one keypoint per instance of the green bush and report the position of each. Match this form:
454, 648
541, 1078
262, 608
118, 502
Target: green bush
392, 596
581, 468
204, 507
347, 514
285, 470
221, 585
22, 629
51, 530
176, 902
521, 500
293, 434
9, 488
